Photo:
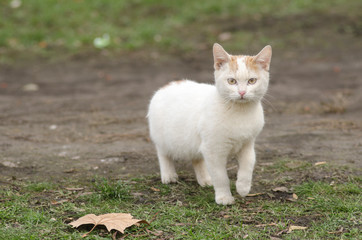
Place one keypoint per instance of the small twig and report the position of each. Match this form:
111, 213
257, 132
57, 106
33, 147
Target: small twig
114, 235
84, 235
154, 217
264, 225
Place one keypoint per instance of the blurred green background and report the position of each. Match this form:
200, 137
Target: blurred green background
51, 28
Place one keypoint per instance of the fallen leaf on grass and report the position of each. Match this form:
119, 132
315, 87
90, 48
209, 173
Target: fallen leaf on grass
117, 221
280, 189
319, 163
155, 189
59, 202
254, 194
292, 228
293, 198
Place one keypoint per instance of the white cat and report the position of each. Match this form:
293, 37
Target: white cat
209, 124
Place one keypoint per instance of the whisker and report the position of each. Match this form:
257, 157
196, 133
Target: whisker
264, 100
229, 100
268, 95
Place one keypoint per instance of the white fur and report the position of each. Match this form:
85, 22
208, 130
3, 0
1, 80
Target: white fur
209, 124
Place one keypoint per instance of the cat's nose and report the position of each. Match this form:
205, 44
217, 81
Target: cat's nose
242, 93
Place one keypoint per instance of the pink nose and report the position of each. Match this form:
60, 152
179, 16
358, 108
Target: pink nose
242, 93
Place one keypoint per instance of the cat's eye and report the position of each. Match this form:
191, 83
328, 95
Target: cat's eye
232, 81
252, 81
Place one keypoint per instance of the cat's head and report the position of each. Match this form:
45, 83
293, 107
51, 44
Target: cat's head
241, 78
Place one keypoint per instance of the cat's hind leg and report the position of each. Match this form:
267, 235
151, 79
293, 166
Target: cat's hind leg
202, 175
167, 168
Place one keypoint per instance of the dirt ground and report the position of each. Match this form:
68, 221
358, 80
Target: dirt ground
87, 116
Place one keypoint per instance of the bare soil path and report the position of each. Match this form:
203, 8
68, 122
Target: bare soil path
87, 116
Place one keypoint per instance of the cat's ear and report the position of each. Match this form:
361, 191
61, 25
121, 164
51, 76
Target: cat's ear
264, 57
220, 56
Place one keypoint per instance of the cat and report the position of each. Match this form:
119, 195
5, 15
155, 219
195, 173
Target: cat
209, 124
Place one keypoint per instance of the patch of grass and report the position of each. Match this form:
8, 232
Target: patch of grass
116, 189
52, 27
287, 164
184, 210
40, 186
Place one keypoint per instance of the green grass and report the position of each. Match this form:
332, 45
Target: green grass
329, 209
112, 190
53, 27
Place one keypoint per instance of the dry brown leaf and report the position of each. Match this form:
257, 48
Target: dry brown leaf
319, 163
155, 189
280, 189
295, 196
59, 202
292, 228
117, 221
254, 194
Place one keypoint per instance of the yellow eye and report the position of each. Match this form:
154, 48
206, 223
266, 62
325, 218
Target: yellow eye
252, 81
232, 81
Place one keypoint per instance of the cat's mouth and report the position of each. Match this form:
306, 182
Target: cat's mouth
242, 99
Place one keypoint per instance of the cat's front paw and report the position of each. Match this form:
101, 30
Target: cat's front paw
224, 200
172, 178
243, 188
